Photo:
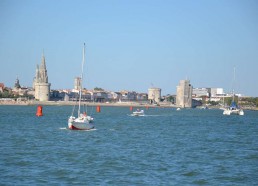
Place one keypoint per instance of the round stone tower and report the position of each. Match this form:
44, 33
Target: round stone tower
154, 95
40, 83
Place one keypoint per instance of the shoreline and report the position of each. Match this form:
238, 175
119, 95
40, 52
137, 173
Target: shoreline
118, 104
71, 103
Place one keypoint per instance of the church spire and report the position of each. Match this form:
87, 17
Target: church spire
17, 83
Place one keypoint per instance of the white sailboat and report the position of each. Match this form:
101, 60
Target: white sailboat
234, 108
83, 121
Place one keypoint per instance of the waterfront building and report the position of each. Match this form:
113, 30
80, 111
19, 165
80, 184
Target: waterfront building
216, 92
100, 96
40, 83
128, 95
201, 92
112, 96
154, 95
208, 92
184, 94
118, 96
142, 97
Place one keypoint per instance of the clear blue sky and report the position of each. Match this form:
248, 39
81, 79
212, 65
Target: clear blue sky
132, 44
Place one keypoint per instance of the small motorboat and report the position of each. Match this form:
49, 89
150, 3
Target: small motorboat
138, 113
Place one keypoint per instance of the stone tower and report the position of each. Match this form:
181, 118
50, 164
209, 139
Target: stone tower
154, 95
184, 94
40, 83
77, 83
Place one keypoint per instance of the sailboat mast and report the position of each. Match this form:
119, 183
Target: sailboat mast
234, 84
80, 92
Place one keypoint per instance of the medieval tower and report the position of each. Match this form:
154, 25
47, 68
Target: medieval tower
184, 94
40, 83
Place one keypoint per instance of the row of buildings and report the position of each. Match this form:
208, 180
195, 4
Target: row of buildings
186, 95
42, 91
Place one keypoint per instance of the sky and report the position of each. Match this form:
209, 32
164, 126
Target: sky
132, 44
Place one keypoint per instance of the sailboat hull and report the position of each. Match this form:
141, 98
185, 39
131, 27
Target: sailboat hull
234, 112
80, 124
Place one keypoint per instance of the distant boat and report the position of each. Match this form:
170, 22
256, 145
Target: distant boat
83, 121
178, 109
138, 113
234, 108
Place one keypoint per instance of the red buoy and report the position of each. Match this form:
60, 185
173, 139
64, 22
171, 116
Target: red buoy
98, 109
131, 108
39, 111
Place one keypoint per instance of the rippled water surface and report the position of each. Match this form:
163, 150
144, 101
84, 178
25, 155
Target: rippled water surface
166, 147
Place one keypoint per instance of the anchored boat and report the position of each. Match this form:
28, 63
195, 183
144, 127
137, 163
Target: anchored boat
83, 121
234, 108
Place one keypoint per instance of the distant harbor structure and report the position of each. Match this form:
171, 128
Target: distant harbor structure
184, 94
40, 83
154, 95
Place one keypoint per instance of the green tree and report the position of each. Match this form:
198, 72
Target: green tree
213, 103
171, 99
6, 94
256, 101
98, 89
204, 99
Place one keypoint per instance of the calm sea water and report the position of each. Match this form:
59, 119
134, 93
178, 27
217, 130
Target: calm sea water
166, 147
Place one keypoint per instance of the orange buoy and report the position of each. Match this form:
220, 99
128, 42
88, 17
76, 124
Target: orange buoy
131, 108
39, 111
147, 107
98, 108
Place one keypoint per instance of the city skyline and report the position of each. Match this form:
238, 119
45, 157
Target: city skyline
75, 88
132, 45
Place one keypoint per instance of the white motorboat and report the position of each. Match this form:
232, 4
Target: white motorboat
138, 113
82, 122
